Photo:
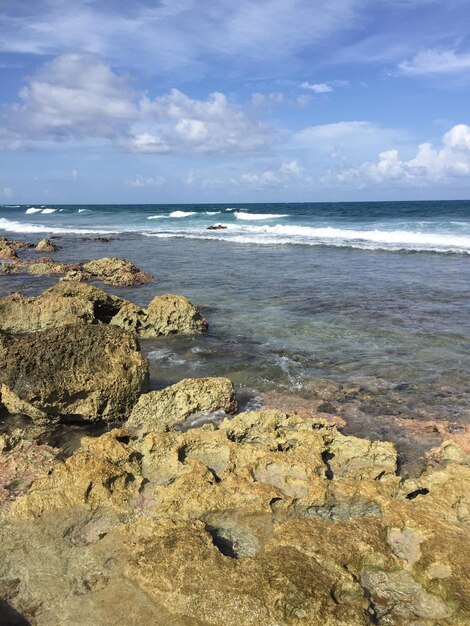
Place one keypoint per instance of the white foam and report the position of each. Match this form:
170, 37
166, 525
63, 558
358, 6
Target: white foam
12, 206
328, 236
83, 210
230, 209
19, 227
47, 211
211, 212
182, 213
258, 216
33, 210
158, 217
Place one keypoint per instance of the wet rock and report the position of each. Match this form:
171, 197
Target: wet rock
78, 370
160, 410
217, 227
165, 315
116, 272
46, 245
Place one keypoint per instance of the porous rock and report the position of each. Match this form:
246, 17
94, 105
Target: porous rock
159, 410
212, 527
165, 315
116, 272
64, 303
79, 370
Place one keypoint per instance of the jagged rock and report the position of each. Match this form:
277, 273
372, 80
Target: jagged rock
165, 315
160, 410
116, 272
225, 526
46, 245
217, 227
64, 303
7, 251
105, 306
78, 370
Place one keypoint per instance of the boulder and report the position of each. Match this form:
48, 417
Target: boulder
20, 315
77, 371
217, 227
116, 272
64, 303
104, 306
46, 245
165, 315
160, 410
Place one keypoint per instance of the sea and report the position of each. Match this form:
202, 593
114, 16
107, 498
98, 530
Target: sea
367, 294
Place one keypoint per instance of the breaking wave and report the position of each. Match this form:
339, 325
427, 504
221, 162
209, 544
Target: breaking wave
19, 227
393, 240
258, 216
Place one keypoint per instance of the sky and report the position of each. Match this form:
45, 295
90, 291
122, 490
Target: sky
197, 101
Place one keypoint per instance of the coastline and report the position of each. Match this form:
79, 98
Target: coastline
193, 515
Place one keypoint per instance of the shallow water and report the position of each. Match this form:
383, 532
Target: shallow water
280, 315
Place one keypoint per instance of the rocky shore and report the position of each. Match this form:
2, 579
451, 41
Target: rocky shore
185, 511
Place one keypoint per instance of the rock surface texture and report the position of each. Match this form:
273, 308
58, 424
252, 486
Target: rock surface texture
269, 520
71, 302
160, 410
90, 372
165, 315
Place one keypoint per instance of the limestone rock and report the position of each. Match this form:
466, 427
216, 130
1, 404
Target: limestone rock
46, 245
159, 410
242, 524
165, 315
29, 315
116, 272
78, 370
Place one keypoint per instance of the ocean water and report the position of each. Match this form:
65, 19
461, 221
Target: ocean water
360, 293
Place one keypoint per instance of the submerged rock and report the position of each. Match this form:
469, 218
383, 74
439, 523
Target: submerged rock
78, 370
243, 525
160, 410
165, 315
217, 227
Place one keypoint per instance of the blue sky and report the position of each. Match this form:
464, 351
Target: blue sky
216, 101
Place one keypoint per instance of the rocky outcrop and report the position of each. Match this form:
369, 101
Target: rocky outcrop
165, 315
71, 302
111, 271
116, 272
244, 525
161, 410
46, 245
64, 303
79, 371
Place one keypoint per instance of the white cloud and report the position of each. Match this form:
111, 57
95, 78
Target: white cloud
430, 166
285, 175
79, 97
146, 181
317, 87
348, 140
74, 95
435, 61
7, 192
185, 124
168, 36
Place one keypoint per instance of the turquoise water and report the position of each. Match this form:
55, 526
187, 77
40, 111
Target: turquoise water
349, 292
